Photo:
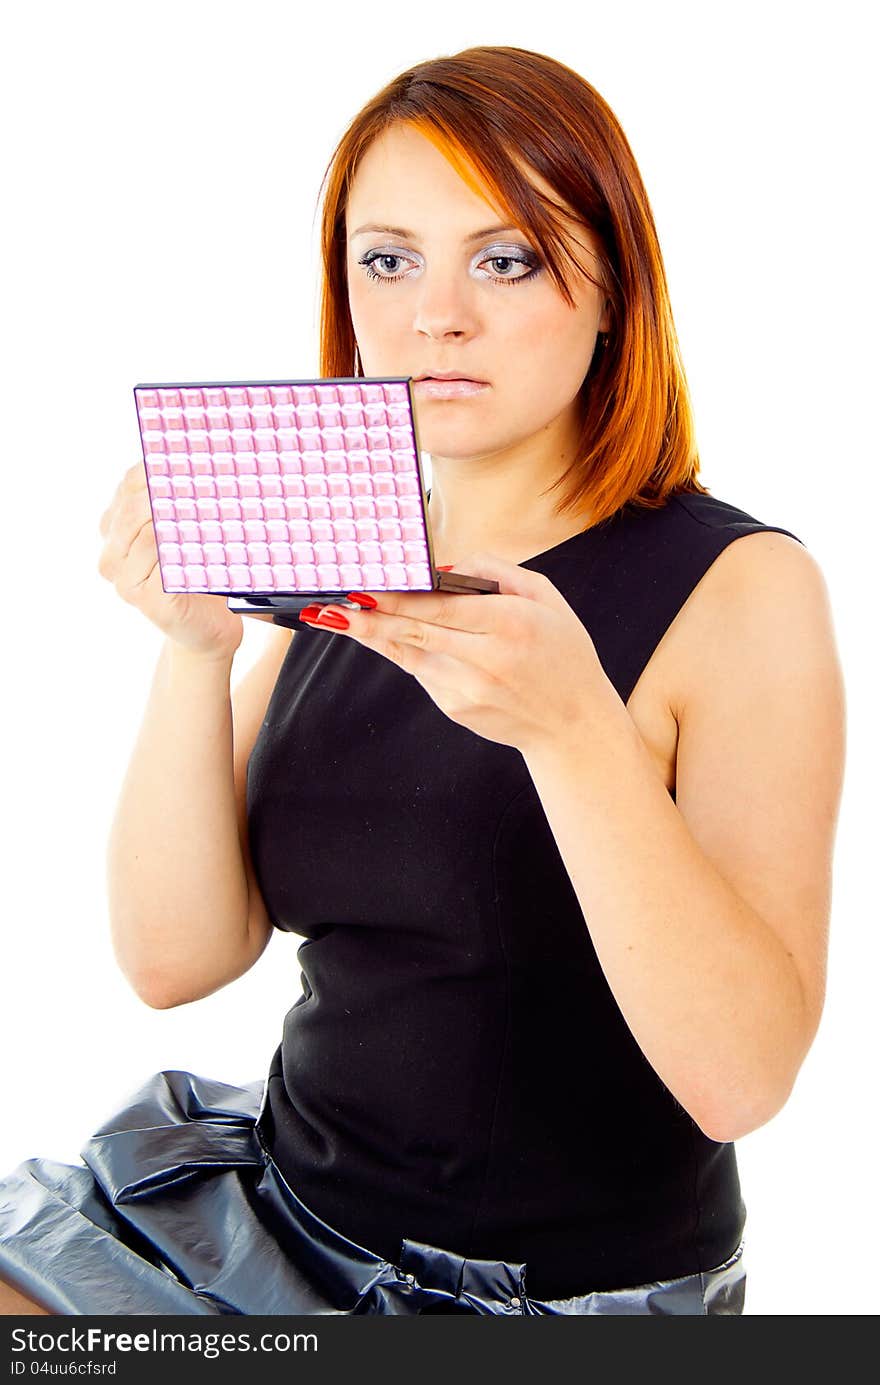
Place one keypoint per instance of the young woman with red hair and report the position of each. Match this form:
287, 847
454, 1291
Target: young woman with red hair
560, 857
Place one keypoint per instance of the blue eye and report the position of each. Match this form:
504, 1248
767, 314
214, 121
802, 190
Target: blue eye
379, 266
528, 262
381, 257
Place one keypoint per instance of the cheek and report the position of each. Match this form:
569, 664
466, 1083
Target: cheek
358, 304
541, 317
544, 341
378, 318
364, 300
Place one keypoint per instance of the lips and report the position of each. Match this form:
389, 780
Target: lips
471, 379
449, 388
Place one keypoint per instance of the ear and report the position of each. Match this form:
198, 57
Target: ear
605, 319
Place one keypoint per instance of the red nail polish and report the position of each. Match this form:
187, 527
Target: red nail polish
363, 599
335, 620
309, 612
446, 567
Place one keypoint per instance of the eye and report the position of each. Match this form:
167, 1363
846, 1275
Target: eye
510, 265
505, 266
385, 260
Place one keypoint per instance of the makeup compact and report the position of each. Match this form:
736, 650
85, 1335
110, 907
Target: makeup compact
277, 493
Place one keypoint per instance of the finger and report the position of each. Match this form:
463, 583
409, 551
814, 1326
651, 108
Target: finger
128, 515
134, 481
456, 612
378, 630
135, 478
135, 546
120, 541
473, 611
140, 583
121, 517
476, 612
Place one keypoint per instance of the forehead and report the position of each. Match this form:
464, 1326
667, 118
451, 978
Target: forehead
405, 180
402, 168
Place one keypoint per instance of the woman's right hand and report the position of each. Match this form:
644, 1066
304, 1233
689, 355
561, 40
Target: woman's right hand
130, 560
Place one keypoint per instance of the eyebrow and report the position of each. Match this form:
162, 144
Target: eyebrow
411, 235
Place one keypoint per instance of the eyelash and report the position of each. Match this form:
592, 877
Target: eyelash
367, 262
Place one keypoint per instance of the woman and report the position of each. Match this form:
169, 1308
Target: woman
560, 856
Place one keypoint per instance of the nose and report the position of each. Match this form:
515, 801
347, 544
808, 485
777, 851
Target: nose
444, 308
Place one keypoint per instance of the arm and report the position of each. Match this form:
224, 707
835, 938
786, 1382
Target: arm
186, 913
709, 916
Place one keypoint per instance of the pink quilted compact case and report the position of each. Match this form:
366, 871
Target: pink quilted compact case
273, 493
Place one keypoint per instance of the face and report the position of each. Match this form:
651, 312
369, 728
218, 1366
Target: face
438, 282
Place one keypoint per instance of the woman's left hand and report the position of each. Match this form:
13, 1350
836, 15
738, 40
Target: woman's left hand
516, 666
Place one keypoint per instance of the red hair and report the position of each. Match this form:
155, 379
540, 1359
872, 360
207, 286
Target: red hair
637, 442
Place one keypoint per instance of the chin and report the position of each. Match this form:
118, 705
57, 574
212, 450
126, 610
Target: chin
471, 449
459, 437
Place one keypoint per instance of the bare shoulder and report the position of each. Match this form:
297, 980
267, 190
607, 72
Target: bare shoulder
754, 560
763, 604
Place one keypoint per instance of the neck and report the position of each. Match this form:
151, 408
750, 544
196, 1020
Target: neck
484, 504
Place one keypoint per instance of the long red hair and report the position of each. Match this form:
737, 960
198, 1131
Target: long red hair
637, 441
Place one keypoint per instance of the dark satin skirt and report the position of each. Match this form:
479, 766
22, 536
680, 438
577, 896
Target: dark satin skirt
180, 1209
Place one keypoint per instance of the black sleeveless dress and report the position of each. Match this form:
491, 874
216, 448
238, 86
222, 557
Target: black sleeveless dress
456, 1069
457, 1118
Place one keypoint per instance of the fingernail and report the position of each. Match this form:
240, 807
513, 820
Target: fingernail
309, 612
363, 599
334, 619
446, 567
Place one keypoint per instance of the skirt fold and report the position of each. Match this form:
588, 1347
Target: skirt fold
179, 1208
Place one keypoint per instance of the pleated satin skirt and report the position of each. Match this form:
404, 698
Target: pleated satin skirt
179, 1208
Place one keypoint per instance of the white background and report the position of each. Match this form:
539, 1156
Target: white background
161, 165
